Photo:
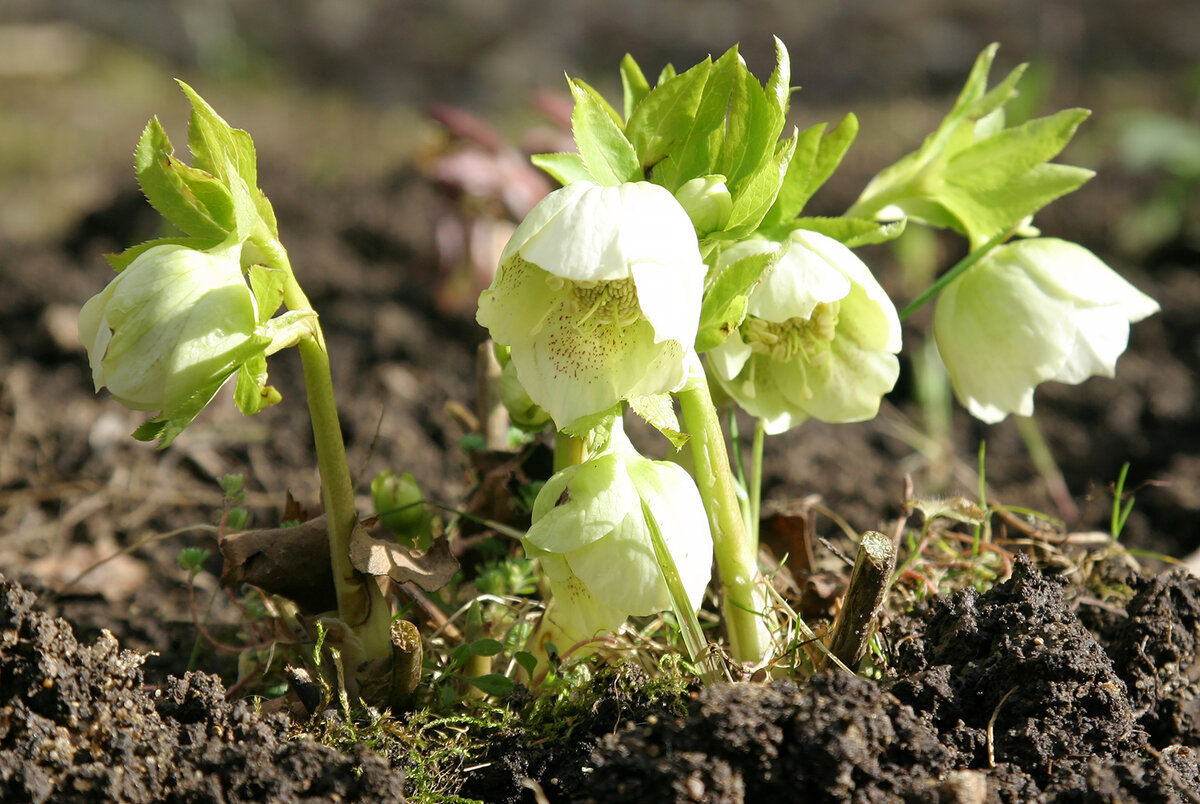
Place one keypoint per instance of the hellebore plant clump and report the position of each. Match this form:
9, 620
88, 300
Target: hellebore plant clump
673, 271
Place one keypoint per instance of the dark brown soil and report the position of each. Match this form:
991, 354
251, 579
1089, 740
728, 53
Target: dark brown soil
1003, 697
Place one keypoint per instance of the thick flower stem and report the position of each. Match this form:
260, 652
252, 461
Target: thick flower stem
360, 603
747, 619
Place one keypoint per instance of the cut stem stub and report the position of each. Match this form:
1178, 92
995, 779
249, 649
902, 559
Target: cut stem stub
855, 622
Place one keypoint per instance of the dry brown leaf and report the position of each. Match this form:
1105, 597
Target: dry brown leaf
383, 557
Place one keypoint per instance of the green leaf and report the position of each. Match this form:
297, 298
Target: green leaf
492, 683
121, 261
634, 86
658, 411
191, 199
664, 118
724, 304
608, 154
758, 194
851, 232
167, 425
998, 97
563, 167
252, 393
527, 661
228, 154
817, 156
267, 286
1002, 157
985, 212
218, 148
778, 89
832, 150
700, 148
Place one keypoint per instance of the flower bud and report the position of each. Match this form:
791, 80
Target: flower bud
707, 202
170, 326
1031, 311
598, 297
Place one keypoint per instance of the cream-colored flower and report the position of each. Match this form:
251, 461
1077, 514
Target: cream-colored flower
819, 339
1028, 312
598, 297
594, 544
170, 326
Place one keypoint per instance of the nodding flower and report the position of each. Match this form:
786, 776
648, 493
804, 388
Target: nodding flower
598, 297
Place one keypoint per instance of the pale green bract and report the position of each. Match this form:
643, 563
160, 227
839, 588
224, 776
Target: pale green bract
170, 326
598, 297
1029, 312
819, 339
595, 546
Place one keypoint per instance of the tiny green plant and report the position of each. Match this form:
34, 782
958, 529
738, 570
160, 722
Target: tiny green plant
675, 268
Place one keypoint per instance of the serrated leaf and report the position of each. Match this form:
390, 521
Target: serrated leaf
181, 194
832, 150
658, 411
751, 133
1002, 157
792, 191
817, 156
218, 148
634, 86
121, 261
608, 154
699, 149
853, 232
665, 75
758, 193
984, 213
665, 116
564, 168
975, 87
998, 96
167, 425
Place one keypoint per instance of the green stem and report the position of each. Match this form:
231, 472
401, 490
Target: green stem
756, 462
568, 450
955, 271
743, 587
360, 603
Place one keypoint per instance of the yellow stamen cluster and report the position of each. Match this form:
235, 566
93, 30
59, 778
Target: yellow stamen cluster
610, 302
783, 341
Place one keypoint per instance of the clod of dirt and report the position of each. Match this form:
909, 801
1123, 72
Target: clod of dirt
837, 738
1156, 651
1001, 697
1012, 680
77, 725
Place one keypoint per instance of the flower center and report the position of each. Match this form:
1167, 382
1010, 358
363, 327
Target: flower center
786, 340
609, 302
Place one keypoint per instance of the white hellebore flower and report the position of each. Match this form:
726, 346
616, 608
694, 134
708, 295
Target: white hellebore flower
598, 295
1031, 311
172, 324
595, 547
819, 339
